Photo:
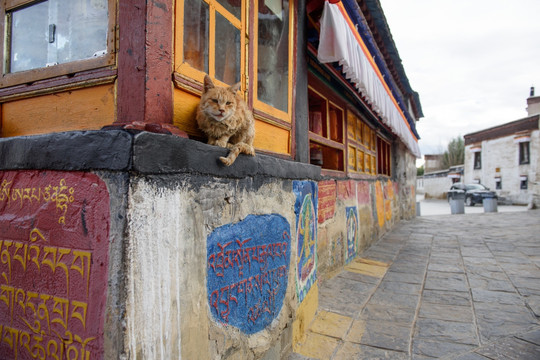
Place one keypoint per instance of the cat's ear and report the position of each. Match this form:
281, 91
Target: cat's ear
208, 84
235, 87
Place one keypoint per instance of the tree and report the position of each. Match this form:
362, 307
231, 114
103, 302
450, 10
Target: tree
420, 171
455, 154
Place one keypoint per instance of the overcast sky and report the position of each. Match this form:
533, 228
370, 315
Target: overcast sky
472, 62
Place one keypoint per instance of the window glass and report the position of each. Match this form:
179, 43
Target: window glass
524, 152
196, 15
234, 6
273, 53
227, 51
478, 160
58, 31
29, 38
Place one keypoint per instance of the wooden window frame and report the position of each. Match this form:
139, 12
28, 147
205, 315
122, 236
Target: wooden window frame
384, 157
326, 141
260, 108
30, 76
185, 69
248, 65
362, 143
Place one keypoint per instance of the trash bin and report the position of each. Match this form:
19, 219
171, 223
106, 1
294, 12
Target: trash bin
490, 204
457, 203
418, 213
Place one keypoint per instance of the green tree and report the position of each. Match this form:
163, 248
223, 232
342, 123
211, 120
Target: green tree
455, 154
420, 171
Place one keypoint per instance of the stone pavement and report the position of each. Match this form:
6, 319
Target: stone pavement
461, 287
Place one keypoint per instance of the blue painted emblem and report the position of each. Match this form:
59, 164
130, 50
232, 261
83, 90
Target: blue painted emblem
305, 209
352, 233
248, 269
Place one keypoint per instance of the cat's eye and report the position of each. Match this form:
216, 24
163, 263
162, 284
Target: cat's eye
229, 103
215, 100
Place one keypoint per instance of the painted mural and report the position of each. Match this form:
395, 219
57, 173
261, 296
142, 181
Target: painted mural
248, 266
54, 238
352, 233
346, 189
305, 209
384, 197
327, 200
379, 203
363, 193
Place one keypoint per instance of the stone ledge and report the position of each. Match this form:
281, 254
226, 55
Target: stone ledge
70, 151
144, 152
158, 153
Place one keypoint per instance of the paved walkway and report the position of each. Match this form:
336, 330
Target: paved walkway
461, 287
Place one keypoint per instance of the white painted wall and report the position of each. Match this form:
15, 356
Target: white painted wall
503, 153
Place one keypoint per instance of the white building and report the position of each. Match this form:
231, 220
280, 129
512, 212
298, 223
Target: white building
506, 158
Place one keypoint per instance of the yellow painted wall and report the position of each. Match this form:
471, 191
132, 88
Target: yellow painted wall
271, 138
82, 109
184, 112
305, 314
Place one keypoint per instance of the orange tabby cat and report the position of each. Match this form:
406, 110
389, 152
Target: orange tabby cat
225, 118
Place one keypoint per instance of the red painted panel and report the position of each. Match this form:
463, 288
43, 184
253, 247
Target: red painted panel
346, 189
327, 200
54, 235
364, 193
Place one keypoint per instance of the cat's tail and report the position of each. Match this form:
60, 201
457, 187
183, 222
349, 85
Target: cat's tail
236, 149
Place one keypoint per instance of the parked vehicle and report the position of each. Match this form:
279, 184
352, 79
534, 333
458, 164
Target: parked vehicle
472, 193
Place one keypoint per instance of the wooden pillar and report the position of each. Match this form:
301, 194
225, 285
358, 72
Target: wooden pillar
145, 63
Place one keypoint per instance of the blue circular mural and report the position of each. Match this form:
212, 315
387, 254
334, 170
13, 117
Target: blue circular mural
247, 271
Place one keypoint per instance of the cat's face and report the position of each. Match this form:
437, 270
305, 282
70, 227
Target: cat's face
218, 103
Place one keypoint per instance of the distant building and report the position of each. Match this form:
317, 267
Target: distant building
432, 162
506, 157
434, 184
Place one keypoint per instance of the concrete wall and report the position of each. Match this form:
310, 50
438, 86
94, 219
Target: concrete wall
190, 260
436, 186
500, 158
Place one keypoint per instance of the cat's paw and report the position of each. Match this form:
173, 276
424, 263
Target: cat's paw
226, 161
250, 151
221, 143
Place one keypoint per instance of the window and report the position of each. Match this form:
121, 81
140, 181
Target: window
272, 83
234, 41
498, 183
55, 37
384, 157
361, 145
478, 160
524, 153
213, 40
326, 142
523, 182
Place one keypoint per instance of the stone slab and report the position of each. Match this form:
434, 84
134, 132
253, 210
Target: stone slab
70, 151
357, 351
318, 346
511, 348
446, 331
331, 324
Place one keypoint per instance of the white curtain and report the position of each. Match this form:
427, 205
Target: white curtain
337, 42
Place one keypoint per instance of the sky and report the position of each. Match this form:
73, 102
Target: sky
472, 62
